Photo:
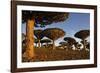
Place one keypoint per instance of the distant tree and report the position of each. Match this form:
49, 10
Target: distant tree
39, 36
53, 34
24, 41
76, 45
79, 46
23, 45
88, 46
23, 36
35, 18
45, 41
84, 41
36, 41
64, 44
83, 34
71, 41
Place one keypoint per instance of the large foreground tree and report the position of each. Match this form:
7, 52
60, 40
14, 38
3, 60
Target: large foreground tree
83, 34
53, 34
38, 19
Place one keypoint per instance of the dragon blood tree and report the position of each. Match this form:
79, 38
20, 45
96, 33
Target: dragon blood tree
53, 34
83, 34
38, 35
70, 41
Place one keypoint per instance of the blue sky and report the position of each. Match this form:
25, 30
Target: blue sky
74, 23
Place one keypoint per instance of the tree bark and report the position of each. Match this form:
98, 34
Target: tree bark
53, 45
29, 54
46, 44
36, 44
84, 44
39, 43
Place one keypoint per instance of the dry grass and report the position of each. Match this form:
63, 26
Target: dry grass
47, 54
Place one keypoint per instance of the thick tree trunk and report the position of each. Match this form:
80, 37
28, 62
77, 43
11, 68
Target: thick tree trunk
76, 47
46, 44
29, 54
39, 43
84, 44
36, 44
53, 45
